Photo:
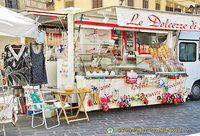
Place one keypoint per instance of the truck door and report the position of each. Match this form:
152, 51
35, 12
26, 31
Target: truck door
188, 55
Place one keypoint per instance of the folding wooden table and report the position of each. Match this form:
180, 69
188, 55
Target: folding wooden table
67, 93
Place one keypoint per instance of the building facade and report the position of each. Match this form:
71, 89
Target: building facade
27, 4
164, 5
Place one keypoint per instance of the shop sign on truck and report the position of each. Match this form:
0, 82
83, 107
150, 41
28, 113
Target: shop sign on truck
156, 20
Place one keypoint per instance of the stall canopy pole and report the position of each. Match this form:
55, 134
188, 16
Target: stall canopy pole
70, 19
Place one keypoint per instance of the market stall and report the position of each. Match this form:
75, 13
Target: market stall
126, 57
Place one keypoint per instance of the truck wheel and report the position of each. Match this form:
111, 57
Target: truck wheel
195, 92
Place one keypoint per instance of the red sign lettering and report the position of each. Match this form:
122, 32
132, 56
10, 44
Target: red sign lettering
101, 87
176, 84
102, 35
134, 20
156, 22
88, 35
88, 51
153, 94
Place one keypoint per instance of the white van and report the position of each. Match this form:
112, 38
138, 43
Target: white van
188, 54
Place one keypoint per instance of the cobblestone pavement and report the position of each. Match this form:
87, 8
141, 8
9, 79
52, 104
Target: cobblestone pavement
148, 119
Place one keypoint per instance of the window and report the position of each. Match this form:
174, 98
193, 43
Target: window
69, 4
157, 4
97, 3
130, 3
145, 3
11, 4
187, 52
182, 8
177, 10
169, 8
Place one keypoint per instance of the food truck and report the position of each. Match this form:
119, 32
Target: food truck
131, 57
150, 57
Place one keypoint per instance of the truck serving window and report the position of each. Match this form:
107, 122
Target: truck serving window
187, 52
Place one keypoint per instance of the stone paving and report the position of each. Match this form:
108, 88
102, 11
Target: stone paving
131, 121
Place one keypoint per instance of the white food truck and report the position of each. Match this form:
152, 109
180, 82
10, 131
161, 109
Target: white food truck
140, 38
131, 57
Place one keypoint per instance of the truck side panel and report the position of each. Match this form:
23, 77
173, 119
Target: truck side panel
188, 55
